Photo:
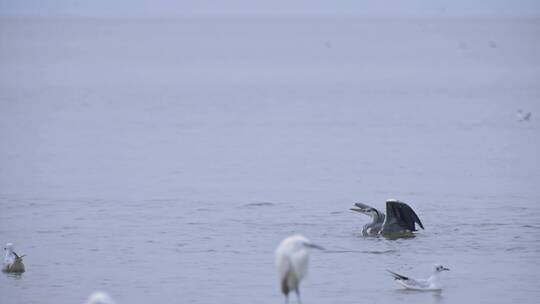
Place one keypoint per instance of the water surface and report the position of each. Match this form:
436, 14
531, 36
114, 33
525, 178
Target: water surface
163, 161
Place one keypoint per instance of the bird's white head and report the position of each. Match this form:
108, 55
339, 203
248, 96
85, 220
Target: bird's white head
365, 209
9, 247
298, 240
437, 268
99, 297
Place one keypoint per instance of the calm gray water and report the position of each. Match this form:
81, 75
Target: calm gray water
164, 160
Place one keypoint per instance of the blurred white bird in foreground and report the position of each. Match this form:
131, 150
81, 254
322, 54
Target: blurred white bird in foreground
292, 259
12, 261
99, 297
430, 284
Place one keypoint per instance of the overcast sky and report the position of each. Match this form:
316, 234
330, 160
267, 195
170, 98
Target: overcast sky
178, 8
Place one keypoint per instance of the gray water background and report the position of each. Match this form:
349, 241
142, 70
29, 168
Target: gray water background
164, 160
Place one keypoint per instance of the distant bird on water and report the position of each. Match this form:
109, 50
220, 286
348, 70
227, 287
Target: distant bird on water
99, 297
292, 259
523, 116
399, 218
12, 261
430, 284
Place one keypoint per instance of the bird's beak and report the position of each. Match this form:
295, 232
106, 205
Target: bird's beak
315, 246
358, 208
447, 269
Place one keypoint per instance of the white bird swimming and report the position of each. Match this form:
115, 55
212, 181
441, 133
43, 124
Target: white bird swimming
12, 261
430, 284
99, 297
292, 259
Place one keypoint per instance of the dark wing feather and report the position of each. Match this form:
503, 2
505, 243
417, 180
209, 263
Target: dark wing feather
397, 276
403, 214
18, 257
416, 218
